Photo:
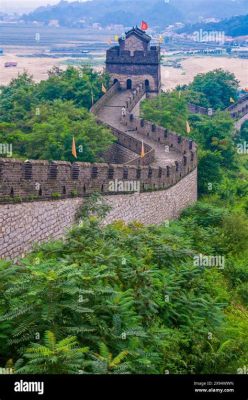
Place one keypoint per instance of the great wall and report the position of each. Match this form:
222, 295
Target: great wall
39, 199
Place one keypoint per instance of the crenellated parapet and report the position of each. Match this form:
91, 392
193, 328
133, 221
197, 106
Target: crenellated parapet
160, 135
43, 180
135, 97
117, 56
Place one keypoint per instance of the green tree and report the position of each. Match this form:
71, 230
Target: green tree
39, 120
217, 87
163, 108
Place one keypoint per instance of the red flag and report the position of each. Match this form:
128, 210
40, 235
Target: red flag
144, 26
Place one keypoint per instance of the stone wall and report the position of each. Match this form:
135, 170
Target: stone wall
154, 207
236, 110
22, 225
137, 76
22, 181
117, 154
195, 109
108, 95
139, 57
240, 108
132, 44
161, 135
37, 179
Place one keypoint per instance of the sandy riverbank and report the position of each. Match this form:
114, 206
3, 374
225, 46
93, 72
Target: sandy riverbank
37, 67
192, 66
171, 77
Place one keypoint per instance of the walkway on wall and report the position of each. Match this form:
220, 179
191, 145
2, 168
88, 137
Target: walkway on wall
240, 122
110, 113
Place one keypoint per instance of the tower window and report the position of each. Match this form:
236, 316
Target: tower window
129, 84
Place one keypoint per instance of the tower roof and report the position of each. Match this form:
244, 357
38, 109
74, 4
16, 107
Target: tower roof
139, 33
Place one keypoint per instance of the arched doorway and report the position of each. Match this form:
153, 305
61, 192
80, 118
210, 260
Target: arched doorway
147, 84
115, 80
129, 84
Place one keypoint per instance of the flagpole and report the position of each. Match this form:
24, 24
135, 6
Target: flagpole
92, 97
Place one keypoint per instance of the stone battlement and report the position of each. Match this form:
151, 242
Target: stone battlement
117, 56
32, 180
161, 135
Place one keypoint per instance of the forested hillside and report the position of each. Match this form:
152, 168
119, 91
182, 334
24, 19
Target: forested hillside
105, 12
41, 119
235, 26
158, 13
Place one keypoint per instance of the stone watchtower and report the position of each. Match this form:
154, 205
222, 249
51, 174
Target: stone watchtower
134, 61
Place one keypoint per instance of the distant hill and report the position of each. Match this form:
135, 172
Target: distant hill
236, 26
125, 12
194, 10
158, 13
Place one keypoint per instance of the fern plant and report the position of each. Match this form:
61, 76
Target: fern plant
105, 363
63, 357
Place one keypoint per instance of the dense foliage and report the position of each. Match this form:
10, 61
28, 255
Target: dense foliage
214, 135
41, 119
214, 89
128, 299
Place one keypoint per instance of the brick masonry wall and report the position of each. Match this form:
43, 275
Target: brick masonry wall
23, 225
132, 44
117, 154
154, 207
